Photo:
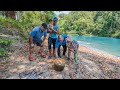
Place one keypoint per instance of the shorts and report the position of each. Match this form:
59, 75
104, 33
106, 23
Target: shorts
38, 43
51, 41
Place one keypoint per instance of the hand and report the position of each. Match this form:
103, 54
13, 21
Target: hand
71, 50
50, 31
32, 45
42, 44
50, 28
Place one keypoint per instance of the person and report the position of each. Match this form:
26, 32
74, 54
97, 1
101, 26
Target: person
72, 46
58, 42
36, 38
54, 35
63, 44
50, 27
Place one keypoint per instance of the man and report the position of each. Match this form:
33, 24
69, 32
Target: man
36, 38
72, 46
61, 41
54, 35
63, 44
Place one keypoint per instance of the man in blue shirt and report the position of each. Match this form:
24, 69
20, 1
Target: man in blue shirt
36, 38
54, 35
63, 45
61, 41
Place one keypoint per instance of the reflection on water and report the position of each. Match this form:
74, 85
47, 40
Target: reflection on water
107, 44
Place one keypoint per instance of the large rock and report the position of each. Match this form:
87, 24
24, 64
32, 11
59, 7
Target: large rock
59, 64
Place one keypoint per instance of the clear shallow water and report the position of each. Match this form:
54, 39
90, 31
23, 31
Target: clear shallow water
106, 44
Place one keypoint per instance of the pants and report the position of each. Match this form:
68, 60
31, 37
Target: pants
51, 41
64, 50
38, 43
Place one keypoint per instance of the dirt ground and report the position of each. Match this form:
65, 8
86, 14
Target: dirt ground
91, 65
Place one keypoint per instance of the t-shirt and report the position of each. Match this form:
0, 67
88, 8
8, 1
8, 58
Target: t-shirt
37, 34
60, 43
74, 45
64, 40
56, 27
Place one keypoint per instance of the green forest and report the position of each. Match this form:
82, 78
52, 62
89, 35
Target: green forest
97, 23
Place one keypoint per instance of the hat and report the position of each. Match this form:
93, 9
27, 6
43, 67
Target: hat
44, 25
69, 38
65, 35
55, 18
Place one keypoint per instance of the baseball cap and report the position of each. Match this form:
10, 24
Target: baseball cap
55, 18
44, 25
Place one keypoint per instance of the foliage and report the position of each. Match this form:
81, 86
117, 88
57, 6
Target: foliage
5, 46
98, 23
26, 22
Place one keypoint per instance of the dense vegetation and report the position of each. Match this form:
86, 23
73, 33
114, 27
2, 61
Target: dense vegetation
4, 46
23, 24
98, 23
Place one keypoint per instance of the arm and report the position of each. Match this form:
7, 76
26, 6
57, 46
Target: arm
71, 49
32, 34
49, 31
77, 46
44, 38
55, 31
45, 35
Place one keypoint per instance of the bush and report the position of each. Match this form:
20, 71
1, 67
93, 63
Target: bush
5, 46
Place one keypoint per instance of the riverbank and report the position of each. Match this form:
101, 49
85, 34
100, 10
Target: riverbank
92, 65
98, 53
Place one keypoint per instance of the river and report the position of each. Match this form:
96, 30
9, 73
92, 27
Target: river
106, 44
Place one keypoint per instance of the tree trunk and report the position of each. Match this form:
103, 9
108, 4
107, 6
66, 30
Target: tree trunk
10, 14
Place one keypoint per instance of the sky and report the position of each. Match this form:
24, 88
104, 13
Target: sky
65, 12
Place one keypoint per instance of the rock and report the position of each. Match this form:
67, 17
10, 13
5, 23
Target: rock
59, 64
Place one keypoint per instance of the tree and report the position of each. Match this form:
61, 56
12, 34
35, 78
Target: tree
10, 14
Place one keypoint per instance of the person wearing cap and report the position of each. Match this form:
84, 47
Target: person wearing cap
54, 35
72, 46
36, 38
63, 44
61, 41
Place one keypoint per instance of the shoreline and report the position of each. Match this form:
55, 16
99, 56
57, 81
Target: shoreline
95, 52
98, 53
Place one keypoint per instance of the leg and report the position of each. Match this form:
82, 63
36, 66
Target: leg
31, 51
64, 49
59, 53
42, 50
49, 46
69, 54
54, 40
56, 54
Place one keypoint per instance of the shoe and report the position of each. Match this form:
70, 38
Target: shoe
49, 57
64, 56
59, 56
31, 58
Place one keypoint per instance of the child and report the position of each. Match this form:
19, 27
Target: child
72, 47
50, 26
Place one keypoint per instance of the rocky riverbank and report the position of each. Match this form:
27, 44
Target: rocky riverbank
91, 65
